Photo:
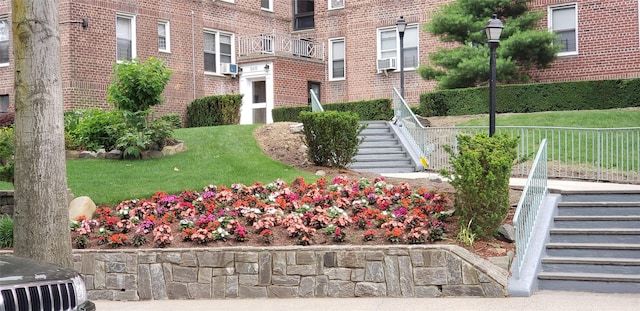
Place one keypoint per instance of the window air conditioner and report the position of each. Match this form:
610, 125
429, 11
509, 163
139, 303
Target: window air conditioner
385, 64
229, 69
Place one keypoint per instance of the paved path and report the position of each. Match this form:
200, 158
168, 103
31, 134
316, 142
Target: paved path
543, 300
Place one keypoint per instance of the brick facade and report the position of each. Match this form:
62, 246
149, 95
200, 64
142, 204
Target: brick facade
88, 54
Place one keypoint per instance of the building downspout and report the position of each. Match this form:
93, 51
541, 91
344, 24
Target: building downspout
193, 55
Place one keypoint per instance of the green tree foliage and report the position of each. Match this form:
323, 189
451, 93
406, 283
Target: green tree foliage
480, 176
7, 150
522, 44
137, 86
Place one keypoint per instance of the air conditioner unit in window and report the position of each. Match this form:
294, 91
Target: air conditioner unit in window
229, 69
385, 64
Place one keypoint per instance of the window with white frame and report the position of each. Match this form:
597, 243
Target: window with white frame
164, 41
389, 45
336, 4
267, 5
563, 21
125, 37
218, 49
303, 14
4, 41
336, 57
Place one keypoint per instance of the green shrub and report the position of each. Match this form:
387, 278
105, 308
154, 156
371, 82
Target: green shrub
480, 177
377, 109
174, 119
7, 149
331, 137
137, 86
214, 110
6, 231
523, 98
99, 129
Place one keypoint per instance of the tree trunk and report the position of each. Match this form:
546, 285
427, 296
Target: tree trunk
41, 228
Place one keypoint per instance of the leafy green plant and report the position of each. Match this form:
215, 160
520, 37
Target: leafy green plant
137, 86
331, 137
132, 144
6, 231
99, 129
466, 235
173, 119
7, 149
214, 110
480, 176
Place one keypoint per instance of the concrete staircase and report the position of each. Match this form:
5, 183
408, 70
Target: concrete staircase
382, 151
594, 244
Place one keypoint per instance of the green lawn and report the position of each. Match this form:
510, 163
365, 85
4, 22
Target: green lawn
582, 119
214, 156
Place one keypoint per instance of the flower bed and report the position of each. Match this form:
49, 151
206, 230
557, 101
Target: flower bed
357, 212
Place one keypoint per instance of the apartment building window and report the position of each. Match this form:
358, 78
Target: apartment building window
4, 103
4, 41
563, 21
125, 37
303, 14
267, 5
336, 4
164, 42
336, 56
218, 49
389, 45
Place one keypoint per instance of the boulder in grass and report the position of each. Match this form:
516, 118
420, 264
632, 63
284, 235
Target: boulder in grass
81, 206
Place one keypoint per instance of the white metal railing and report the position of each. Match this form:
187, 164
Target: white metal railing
279, 44
533, 193
408, 123
576, 153
316, 106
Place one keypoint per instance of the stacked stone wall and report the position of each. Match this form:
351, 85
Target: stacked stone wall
288, 272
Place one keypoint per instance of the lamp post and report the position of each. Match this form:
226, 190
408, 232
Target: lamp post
402, 26
494, 30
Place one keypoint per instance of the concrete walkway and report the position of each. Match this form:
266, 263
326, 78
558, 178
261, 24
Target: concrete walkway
554, 185
543, 300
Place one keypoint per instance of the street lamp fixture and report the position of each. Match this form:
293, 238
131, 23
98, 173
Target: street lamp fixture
402, 26
494, 30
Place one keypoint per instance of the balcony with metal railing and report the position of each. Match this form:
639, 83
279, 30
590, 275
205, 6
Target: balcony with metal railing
278, 44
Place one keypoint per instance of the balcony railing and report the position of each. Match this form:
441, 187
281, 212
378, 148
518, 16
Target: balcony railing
279, 45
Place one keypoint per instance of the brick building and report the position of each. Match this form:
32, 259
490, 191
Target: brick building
273, 51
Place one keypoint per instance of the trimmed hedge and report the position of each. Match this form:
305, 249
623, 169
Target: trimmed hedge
377, 109
331, 137
214, 110
522, 98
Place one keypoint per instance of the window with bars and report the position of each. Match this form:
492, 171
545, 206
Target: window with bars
563, 21
125, 37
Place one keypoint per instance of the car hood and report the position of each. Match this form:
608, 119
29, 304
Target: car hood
17, 270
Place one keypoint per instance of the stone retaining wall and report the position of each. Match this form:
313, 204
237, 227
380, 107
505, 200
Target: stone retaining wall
288, 272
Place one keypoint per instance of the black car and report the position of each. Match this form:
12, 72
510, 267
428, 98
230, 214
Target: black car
28, 285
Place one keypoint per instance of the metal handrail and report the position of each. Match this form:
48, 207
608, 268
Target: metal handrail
408, 124
316, 106
533, 193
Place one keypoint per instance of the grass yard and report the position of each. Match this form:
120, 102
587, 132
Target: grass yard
214, 156
615, 118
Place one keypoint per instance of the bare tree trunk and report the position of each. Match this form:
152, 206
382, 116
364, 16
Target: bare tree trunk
41, 229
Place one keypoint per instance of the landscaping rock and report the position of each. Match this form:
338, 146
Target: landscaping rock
81, 206
321, 173
114, 155
87, 155
506, 233
101, 154
297, 128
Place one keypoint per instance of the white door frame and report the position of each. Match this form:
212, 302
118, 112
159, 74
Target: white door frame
262, 71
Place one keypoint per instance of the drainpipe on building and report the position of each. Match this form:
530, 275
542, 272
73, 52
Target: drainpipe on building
193, 55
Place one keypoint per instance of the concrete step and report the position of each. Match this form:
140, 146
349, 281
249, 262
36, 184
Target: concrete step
625, 266
629, 236
609, 250
380, 156
384, 170
603, 196
597, 222
599, 209
380, 142
589, 282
